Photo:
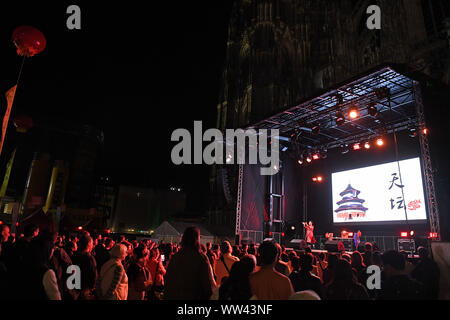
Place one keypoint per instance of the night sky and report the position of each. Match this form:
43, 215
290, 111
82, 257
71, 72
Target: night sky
137, 72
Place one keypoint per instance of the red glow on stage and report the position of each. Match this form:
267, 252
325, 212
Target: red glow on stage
1, 222
356, 146
403, 234
80, 228
380, 142
432, 235
282, 234
108, 231
270, 233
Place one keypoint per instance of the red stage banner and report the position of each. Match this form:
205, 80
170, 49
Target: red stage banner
10, 94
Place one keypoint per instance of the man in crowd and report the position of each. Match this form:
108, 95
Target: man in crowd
267, 283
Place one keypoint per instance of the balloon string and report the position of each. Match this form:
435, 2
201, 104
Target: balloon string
20, 71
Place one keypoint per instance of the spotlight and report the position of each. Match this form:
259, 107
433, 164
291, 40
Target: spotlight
323, 154
316, 156
380, 142
314, 179
412, 132
284, 149
319, 178
356, 146
373, 111
292, 227
344, 148
425, 131
340, 118
367, 145
308, 158
403, 234
353, 113
300, 161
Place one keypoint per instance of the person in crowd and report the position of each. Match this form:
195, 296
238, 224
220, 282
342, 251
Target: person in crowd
189, 275
304, 279
139, 278
281, 266
359, 267
88, 267
427, 272
376, 259
321, 265
409, 267
244, 249
267, 283
109, 244
71, 247
112, 282
346, 257
5, 241
328, 273
252, 249
367, 255
60, 261
398, 286
101, 253
237, 285
344, 285
40, 279
305, 295
224, 262
236, 251
157, 270
212, 258
291, 257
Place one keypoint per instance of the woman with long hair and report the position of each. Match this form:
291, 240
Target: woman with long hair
237, 285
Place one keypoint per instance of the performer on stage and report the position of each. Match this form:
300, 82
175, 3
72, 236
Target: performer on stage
309, 237
357, 239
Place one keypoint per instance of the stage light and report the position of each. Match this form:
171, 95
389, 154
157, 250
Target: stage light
308, 159
353, 113
425, 131
350, 234
380, 142
412, 132
80, 228
284, 149
282, 234
373, 111
403, 234
432, 235
270, 233
319, 178
367, 145
300, 161
292, 228
314, 179
344, 148
411, 233
316, 156
229, 158
340, 118
356, 146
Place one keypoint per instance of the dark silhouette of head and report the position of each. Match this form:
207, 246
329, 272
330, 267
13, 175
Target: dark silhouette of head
191, 238
268, 253
306, 262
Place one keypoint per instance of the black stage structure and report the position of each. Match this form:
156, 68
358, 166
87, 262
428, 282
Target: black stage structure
388, 102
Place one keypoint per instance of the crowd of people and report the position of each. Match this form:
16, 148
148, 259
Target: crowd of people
39, 266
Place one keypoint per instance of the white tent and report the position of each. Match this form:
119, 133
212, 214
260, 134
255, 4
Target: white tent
173, 231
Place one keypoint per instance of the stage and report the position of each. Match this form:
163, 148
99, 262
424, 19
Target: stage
315, 144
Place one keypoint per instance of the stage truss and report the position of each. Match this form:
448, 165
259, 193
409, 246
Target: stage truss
399, 106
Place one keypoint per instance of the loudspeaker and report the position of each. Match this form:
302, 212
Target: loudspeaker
331, 245
297, 243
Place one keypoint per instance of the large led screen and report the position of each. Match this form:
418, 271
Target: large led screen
374, 194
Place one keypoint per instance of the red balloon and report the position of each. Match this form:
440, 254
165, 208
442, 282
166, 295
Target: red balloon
28, 40
23, 123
